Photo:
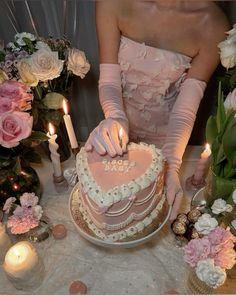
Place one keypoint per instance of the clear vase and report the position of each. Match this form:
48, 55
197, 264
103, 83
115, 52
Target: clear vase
14, 184
219, 187
195, 286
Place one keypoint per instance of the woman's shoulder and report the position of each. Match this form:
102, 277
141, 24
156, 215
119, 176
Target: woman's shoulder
112, 6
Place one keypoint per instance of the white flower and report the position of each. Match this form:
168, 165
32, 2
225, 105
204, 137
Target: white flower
29, 200
77, 63
205, 224
25, 72
12, 46
228, 52
230, 101
38, 212
19, 38
234, 196
213, 276
41, 44
232, 32
220, 206
45, 64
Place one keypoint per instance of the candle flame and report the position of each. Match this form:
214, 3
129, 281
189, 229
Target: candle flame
65, 108
208, 147
121, 133
51, 129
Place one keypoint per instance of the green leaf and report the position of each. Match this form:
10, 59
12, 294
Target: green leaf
229, 142
38, 136
2, 56
29, 44
53, 100
211, 130
55, 117
220, 116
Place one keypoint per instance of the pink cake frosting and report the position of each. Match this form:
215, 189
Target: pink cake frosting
121, 195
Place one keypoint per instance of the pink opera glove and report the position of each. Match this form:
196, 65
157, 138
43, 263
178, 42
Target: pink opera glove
105, 137
179, 130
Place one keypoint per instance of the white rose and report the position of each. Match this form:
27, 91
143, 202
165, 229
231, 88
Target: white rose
228, 52
38, 212
205, 224
220, 206
19, 38
25, 72
41, 44
234, 196
213, 276
12, 46
230, 101
232, 32
77, 63
45, 64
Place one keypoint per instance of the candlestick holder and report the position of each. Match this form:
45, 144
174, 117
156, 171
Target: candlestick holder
192, 184
60, 183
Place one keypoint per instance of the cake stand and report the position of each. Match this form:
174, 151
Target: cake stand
85, 232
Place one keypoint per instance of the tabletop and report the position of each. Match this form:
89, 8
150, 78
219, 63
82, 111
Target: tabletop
152, 268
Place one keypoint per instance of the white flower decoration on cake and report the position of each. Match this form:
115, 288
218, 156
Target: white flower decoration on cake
213, 276
220, 206
205, 224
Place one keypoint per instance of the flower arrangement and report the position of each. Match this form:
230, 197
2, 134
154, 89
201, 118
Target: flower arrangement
46, 65
24, 214
221, 128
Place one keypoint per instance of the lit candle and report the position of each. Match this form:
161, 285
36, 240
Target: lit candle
121, 135
53, 147
202, 165
23, 266
5, 242
69, 127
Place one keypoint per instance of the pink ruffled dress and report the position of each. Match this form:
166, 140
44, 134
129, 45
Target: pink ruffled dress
151, 79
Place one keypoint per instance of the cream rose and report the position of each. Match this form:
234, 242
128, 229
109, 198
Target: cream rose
45, 64
220, 206
228, 52
205, 224
26, 75
20, 36
213, 276
77, 63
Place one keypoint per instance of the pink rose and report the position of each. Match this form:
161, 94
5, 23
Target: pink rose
226, 258
196, 250
29, 200
14, 127
16, 92
7, 105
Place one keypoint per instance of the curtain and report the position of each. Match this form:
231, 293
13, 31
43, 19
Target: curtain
75, 19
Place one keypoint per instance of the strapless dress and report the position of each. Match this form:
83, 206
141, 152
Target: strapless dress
151, 79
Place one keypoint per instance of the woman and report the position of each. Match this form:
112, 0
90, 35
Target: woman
155, 60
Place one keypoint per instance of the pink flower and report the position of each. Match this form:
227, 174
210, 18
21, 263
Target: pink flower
7, 105
16, 92
226, 258
29, 200
8, 203
14, 127
22, 223
221, 238
196, 250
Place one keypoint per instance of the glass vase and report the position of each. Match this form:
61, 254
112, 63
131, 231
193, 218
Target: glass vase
14, 184
195, 286
219, 187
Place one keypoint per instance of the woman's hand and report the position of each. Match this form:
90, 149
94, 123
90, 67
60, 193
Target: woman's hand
105, 137
174, 192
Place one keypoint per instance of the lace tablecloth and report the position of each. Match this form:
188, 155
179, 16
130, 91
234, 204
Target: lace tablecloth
152, 269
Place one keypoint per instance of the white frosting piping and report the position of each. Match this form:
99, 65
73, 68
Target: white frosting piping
132, 230
114, 195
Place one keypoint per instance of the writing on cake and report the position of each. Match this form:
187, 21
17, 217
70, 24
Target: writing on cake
120, 165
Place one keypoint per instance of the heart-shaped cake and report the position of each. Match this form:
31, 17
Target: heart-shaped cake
121, 195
